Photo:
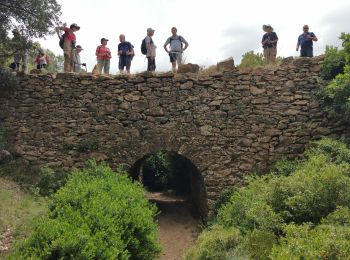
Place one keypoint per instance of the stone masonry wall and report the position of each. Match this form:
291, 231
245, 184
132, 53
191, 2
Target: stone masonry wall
228, 123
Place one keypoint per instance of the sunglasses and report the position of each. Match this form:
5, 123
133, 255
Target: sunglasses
306, 28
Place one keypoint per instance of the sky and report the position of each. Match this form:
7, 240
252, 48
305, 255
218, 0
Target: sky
215, 29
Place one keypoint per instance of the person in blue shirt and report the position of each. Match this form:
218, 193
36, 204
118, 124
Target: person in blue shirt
125, 53
305, 42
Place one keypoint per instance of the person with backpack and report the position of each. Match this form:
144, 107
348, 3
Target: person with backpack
269, 43
305, 42
42, 60
103, 54
176, 48
125, 53
67, 43
148, 48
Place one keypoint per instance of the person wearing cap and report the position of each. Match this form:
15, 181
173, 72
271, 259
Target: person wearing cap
69, 45
269, 43
103, 56
176, 48
151, 50
77, 61
305, 42
125, 53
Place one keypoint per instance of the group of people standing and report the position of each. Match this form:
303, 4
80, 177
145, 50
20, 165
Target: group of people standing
177, 45
270, 39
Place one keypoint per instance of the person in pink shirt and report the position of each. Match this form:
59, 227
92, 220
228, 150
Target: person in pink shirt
103, 56
69, 45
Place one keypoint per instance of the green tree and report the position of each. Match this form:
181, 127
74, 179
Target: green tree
31, 18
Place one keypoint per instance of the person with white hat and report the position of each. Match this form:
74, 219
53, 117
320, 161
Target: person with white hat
77, 60
151, 50
269, 43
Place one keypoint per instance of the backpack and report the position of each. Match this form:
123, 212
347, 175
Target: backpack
61, 42
179, 38
143, 46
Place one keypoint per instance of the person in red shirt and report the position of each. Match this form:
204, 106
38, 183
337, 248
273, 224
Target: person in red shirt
69, 45
103, 56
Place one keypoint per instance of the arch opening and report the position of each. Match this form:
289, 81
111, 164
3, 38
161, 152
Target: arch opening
168, 175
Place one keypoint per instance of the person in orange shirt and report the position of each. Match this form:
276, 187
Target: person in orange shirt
103, 56
69, 45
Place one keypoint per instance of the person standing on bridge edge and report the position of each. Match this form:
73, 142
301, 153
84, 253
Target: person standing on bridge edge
176, 48
269, 43
151, 50
305, 42
104, 56
69, 45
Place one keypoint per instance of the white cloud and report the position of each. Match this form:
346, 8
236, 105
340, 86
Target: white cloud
215, 30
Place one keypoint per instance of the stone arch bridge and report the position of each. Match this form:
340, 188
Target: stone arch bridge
226, 124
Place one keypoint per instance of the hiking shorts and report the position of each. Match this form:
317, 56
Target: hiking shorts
175, 56
124, 61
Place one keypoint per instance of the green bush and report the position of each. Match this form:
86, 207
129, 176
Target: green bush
251, 60
321, 242
98, 214
216, 243
50, 181
223, 199
336, 96
284, 167
341, 216
259, 244
88, 145
333, 63
157, 171
315, 191
248, 209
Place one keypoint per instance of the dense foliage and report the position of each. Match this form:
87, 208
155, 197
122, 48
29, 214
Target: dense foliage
98, 214
299, 211
31, 18
336, 66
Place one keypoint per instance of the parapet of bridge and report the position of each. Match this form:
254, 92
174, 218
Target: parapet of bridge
227, 124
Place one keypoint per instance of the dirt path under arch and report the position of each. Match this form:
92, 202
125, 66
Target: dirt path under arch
179, 225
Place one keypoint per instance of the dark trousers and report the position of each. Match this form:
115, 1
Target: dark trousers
151, 64
306, 52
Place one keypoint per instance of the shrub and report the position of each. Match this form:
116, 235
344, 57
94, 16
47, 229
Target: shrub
312, 192
341, 216
251, 60
333, 63
284, 167
223, 199
88, 145
157, 171
338, 93
50, 181
259, 243
248, 209
98, 214
216, 243
321, 242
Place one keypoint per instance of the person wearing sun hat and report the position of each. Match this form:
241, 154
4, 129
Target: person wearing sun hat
151, 50
269, 43
77, 60
103, 54
69, 45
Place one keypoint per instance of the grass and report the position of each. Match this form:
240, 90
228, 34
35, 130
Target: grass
17, 210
